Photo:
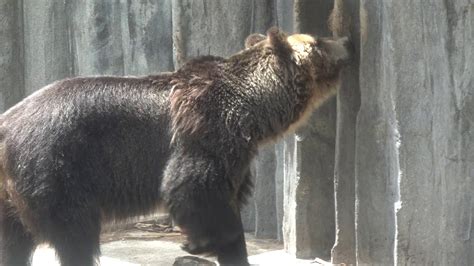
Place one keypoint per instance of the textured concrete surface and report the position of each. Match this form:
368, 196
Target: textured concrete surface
414, 166
436, 130
135, 247
192, 261
247, 213
11, 54
159, 253
216, 27
308, 226
47, 46
345, 22
376, 173
264, 193
134, 253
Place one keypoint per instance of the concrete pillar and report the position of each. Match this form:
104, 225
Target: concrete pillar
279, 187
309, 195
376, 158
265, 197
414, 170
345, 22
433, 94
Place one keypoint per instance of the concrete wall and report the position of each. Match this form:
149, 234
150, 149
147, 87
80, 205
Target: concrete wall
404, 156
308, 224
382, 174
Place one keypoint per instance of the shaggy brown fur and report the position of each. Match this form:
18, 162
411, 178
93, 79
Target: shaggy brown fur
88, 150
266, 90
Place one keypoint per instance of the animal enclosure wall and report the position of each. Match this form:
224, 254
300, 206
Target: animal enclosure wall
397, 144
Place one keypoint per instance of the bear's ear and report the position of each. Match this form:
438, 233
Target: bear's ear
254, 39
278, 40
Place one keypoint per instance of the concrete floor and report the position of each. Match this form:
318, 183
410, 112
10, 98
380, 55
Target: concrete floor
135, 253
150, 244
133, 247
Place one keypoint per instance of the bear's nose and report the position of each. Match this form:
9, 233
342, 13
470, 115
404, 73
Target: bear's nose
344, 41
347, 45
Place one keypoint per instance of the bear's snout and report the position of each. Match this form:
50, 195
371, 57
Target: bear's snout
346, 54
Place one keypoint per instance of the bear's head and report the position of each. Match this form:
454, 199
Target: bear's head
260, 93
321, 57
302, 68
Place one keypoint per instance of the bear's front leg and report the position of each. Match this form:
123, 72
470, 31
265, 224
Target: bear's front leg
199, 195
234, 253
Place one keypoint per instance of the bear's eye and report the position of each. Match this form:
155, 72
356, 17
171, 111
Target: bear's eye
316, 42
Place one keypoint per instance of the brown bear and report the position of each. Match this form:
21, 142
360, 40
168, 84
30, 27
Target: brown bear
88, 150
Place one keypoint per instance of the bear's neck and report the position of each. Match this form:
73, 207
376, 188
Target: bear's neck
267, 99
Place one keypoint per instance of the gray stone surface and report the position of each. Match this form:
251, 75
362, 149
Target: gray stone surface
147, 41
264, 193
285, 15
279, 187
248, 211
345, 22
291, 234
433, 91
192, 261
96, 37
47, 47
216, 27
414, 164
279, 257
309, 220
11, 53
376, 172
131, 247
65, 38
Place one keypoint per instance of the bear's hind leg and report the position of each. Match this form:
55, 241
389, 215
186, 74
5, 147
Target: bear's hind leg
200, 197
16, 243
75, 235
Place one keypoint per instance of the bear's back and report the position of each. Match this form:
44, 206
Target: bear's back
90, 134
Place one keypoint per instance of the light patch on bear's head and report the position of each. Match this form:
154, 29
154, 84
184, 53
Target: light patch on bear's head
297, 39
301, 45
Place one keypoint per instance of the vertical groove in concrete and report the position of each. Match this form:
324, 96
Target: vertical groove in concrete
97, 37
47, 47
310, 229
264, 193
146, 36
375, 143
11, 53
434, 81
345, 22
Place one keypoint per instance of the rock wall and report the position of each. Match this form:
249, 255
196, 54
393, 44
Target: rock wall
412, 167
11, 54
308, 223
